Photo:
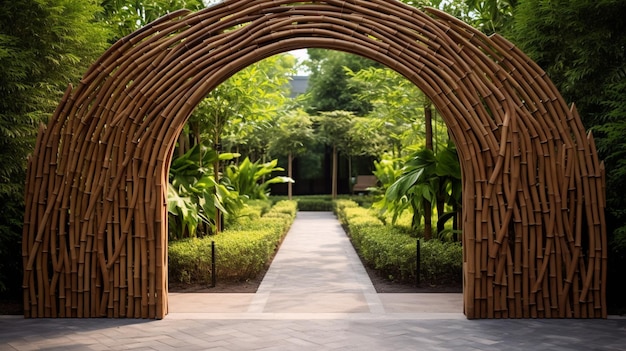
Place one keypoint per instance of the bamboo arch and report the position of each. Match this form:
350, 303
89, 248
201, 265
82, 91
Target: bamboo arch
95, 229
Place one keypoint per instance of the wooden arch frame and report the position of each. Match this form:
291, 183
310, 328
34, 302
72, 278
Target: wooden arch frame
95, 229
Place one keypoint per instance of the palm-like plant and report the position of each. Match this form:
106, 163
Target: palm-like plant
248, 178
193, 195
426, 179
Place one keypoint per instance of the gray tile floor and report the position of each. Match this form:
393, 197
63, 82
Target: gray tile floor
316, 296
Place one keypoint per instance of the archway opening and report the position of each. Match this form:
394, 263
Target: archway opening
397, 119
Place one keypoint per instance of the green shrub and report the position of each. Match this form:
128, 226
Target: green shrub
363, 200
189, 260
261, 205
391, 250
340, 206
242, 255
242, 251
315, 205
252, 211
441, 262
284, 206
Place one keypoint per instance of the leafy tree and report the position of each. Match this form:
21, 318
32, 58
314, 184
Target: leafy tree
395, 100
240, 112
490, 16
292, 137
44, 45
127, 16
367, 137
249, 98
328, 83
581, 45
333, 128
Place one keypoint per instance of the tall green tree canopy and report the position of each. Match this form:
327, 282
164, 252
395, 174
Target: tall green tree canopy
328, 83
241, 111
126, 16
582, 46
44, 46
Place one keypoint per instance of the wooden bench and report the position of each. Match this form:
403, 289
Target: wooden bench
363, 182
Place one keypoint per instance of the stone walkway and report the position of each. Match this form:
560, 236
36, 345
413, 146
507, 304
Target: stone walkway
315, 296
315, 274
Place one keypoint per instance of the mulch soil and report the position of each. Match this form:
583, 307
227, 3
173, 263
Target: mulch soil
381, 284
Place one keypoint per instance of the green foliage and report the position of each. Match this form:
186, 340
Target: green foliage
387, 171
314, 204
44, 46
293, 135
490, 16
368, 137
128, 16
441, 262
426, 178
242, 250
397, 105
243, 111
193, 195
326, 203
251, 211
581, 45
388, 250
283, 207
340, 208
392, 252
248, 178
333, 127
245, 214
328, 82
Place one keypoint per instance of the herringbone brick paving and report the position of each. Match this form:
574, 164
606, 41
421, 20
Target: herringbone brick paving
326, 334
316, 296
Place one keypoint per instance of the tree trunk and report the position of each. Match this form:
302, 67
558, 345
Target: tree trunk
289, 174
428, 126
216, 175
441, 203
456, 222
428, 217
350, 174
334, 173
183, 144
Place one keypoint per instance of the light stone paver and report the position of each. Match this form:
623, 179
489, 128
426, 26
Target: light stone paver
315, 296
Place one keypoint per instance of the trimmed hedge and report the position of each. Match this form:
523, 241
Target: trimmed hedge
242, 250
252, 211
305, 204
392, 252
325, 203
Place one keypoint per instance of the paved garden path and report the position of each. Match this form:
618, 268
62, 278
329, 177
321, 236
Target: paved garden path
316, 274
315, 296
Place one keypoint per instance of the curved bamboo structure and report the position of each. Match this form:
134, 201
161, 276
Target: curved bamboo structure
95, 230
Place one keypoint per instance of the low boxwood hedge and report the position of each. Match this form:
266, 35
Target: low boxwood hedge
242, 250
393, 252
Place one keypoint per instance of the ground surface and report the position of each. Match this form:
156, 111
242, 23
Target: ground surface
381, 284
